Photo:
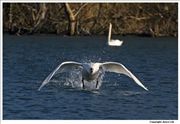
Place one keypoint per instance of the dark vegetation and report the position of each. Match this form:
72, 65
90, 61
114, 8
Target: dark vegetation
144, 19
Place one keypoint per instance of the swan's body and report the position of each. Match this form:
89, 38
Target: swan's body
112, 42
90, 71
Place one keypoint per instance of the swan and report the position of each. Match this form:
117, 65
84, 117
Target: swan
90, 71
112, 42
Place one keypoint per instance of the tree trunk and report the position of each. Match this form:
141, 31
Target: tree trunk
39, 18
11, 28
71, 19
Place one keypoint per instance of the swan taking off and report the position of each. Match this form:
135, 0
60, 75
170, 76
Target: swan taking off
112, 42
90, 71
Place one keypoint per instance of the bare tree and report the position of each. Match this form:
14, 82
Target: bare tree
39, 17
71, 18
11, 28
145, 19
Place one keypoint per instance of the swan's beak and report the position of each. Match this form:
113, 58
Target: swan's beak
91, 70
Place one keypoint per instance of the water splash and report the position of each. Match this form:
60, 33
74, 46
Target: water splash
74, 79
89, 59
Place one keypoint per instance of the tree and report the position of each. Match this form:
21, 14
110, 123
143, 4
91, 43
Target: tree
71, 18
39, 17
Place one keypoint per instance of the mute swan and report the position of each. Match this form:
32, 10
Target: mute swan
112, 42
90, 71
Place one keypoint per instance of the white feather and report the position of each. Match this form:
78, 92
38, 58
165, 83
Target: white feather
119, 68
62, 67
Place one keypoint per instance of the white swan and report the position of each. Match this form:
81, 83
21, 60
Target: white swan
90, 71
112, 42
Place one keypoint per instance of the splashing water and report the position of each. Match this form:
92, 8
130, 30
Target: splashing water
74, 78
89, 59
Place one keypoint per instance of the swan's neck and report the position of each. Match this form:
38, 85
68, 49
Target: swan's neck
109, 35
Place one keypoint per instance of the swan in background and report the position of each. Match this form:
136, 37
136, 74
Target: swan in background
90, 71
112, 42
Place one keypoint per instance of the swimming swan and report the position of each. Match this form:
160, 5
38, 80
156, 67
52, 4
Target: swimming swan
112, 42
90, 71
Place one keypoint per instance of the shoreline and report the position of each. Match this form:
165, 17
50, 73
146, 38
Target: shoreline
64, 35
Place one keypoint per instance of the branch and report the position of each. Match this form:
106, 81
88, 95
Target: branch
141, 18
80, 9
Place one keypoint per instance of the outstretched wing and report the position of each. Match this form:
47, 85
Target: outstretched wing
62, 67
119, 68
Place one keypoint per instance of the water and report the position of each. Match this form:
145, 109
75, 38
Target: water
28, 60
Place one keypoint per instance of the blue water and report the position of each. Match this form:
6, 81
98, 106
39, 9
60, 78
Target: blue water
28, 60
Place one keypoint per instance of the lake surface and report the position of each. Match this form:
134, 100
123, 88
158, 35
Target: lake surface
28, 60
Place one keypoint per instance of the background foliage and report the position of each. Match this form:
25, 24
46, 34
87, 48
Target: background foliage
146, 19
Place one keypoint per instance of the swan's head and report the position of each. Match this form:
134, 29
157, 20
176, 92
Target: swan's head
91, 68
110, 24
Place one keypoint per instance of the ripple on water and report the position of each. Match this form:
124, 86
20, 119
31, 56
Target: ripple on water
28, 60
